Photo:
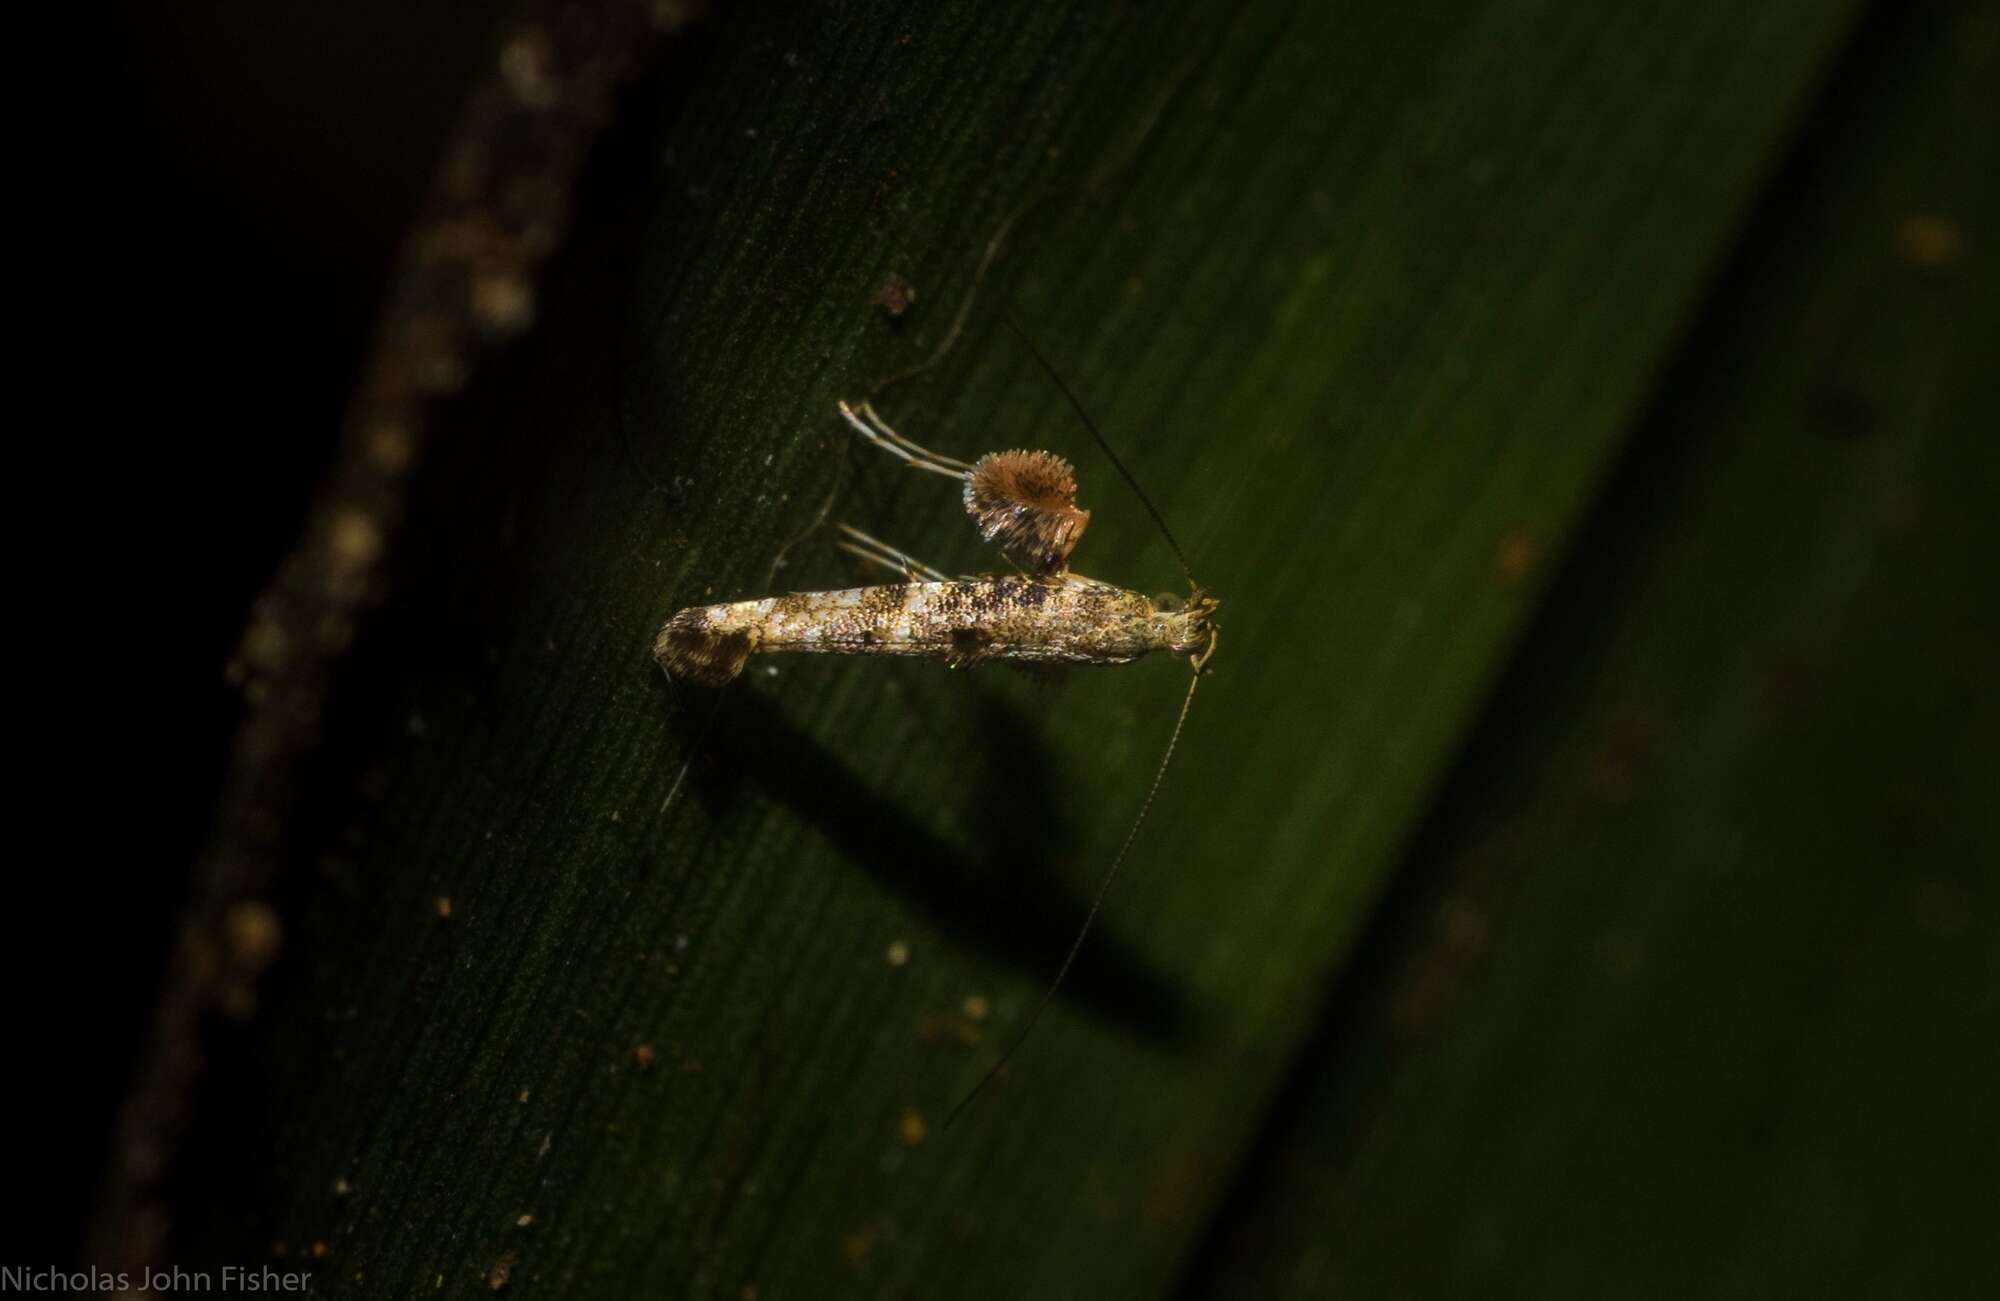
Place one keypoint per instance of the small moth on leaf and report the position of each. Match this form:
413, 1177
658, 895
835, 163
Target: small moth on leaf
1025, 503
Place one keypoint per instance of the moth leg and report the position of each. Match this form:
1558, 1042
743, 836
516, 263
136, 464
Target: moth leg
873, 428
930, 459
878, 552
968, 647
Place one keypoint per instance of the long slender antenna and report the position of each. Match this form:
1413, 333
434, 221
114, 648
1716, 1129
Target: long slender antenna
1103, 888
1076, 405
1110, 165
993, 247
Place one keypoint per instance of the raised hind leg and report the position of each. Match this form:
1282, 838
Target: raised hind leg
876, 551
873, 428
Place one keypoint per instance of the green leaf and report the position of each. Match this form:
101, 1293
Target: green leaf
1689, 987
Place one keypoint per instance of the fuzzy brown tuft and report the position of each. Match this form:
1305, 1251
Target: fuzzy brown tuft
1026, 502
689, 649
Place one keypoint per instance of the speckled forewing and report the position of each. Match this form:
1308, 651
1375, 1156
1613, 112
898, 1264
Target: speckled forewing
1062, 619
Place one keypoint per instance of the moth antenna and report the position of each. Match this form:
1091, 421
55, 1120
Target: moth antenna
1111, 165
694, 751
1076, 405
993, 247
1096, 904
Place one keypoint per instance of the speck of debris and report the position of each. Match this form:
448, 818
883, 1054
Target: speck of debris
975, 1007
672, 15
263, 648
253, 932
502, 1270
910, 1127
523, 1099
1513, 556
898, 954
617, 816
341, 1188
1434, 980
444, 907
503, 303
525, 1220
525, 69
894, 295
857, 1246
319, 1250
1929, 243
548, 1140
356, 540
390, 447
644, 1056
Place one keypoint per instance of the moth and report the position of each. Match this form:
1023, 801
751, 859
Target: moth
1044, 614
1024, 501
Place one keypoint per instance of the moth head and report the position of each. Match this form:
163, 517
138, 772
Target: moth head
1193, 621
1026, 502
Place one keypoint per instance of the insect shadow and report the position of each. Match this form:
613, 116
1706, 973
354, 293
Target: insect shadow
1005, 900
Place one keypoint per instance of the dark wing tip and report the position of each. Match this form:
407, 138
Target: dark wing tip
690, 649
